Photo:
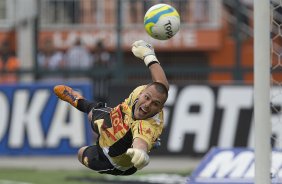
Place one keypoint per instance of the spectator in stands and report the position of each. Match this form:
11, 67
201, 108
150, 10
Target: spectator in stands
50, 57
101, 58
78, 56
8, 63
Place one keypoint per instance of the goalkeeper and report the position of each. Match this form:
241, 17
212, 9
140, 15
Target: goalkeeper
128, 131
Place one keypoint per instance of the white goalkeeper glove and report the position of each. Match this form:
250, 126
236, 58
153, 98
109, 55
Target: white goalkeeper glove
139, 157
144, 51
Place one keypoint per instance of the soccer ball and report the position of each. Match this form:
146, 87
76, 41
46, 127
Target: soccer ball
162, 21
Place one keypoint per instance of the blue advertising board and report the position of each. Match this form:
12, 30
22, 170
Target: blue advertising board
33, 121
233, 166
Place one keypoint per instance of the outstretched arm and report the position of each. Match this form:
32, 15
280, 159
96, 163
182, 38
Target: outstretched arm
145, 51
158, 74
138, 153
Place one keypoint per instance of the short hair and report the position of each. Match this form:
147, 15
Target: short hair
160, 87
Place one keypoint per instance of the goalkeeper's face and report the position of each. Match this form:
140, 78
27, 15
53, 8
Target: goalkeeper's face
150, 102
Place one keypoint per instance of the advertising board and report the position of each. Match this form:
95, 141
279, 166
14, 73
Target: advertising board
34, 121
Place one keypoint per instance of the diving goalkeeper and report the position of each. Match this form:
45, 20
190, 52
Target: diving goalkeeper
127, 132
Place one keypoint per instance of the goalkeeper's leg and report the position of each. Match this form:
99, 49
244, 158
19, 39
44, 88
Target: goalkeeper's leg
67, 94
94, 158
94, 110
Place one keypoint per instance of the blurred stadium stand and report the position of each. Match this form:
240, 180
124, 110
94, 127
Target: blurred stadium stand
214, 45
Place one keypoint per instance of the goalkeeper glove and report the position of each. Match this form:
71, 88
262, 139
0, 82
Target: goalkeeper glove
139, 157
144, 51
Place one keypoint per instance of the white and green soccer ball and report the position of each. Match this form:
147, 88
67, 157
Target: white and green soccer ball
162, 21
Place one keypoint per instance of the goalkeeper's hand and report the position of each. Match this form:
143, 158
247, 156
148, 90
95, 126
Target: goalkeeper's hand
144, 51
139, 157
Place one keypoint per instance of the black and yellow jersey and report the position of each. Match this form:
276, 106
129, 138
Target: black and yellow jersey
118, 137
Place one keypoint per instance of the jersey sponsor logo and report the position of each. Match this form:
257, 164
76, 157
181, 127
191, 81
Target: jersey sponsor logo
118, 123
117, 120
232, 166
34, 121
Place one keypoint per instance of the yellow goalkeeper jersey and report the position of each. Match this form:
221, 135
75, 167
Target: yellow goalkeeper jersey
115, 140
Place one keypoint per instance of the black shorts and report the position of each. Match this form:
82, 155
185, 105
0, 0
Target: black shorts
100, 163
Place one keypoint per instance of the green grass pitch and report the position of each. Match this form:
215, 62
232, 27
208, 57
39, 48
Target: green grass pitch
30, 176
